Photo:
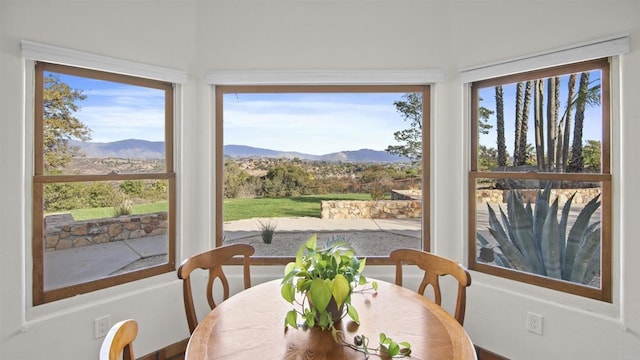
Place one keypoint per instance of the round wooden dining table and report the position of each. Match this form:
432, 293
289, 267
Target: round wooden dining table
250, 325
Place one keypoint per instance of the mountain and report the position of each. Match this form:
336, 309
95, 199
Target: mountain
128, 149
362, 155
243, 151
143, 149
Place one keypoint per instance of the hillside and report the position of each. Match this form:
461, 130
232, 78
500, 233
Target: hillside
145, 150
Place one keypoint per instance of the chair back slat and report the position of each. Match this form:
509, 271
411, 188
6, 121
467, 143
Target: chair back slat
434, 267
212, 260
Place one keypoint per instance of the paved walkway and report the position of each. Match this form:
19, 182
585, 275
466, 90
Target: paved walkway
71, 266
86, 263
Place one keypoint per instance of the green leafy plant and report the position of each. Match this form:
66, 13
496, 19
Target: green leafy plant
531, 239
266, 231
325, 279
387, 347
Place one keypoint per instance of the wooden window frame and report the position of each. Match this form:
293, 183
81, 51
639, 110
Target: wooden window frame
604, 177
220, 90
40, 179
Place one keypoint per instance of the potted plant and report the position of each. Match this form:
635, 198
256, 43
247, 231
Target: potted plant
321, 282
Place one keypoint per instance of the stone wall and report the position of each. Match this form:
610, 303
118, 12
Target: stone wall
582, 197
406, 194
62, 232
381, 209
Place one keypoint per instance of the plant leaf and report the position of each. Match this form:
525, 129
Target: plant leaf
585, 253
312, 243
551, 243
290, 272
593, 268
510, 251
576, 234
291, 319
288, 292
341, 289
522, 229
353, 313
540, 214
563, 234
320, 293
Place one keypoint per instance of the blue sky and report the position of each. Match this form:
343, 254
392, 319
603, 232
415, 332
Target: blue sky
592, 123
115, 111
312, 123
309, 123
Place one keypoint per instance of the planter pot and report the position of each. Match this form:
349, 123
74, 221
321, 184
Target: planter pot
337, 313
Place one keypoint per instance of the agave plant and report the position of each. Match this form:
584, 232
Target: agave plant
531, 239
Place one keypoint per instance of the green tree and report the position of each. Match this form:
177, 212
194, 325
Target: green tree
411, 138
60, 126
234, 179
286, 180
483, 119
378, 179
131, 187
487, 158
592, 155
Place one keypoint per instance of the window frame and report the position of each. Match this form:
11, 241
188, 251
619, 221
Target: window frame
219, 92
40, 179
604, 293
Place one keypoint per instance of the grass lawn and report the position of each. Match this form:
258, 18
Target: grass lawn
107, 212
238, 209
308, 205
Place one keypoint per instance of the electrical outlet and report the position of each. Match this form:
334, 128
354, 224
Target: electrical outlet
534, 323
101, 326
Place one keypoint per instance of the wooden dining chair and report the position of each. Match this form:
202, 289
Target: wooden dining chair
434, 267
119, 340
212, 260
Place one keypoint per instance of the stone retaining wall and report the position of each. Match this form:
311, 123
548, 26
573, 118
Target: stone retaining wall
381, 209
582, 197
62, 232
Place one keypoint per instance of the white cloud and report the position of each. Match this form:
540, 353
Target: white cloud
122, 112
311, 127
111, 123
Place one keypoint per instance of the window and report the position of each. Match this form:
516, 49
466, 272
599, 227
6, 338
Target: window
281, 153
540, 179
104, 181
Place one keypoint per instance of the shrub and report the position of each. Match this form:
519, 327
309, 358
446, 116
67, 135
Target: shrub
123, 208
534, 241
131, 187
266, 231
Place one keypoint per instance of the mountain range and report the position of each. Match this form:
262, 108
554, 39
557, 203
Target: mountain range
143, 149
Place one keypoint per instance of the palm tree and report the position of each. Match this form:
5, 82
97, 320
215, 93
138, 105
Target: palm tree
538, 103
502, 147
522, 146
564, 127
576, 163
517, 160
552, 120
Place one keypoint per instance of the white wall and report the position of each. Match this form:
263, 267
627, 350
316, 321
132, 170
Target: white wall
199, 36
